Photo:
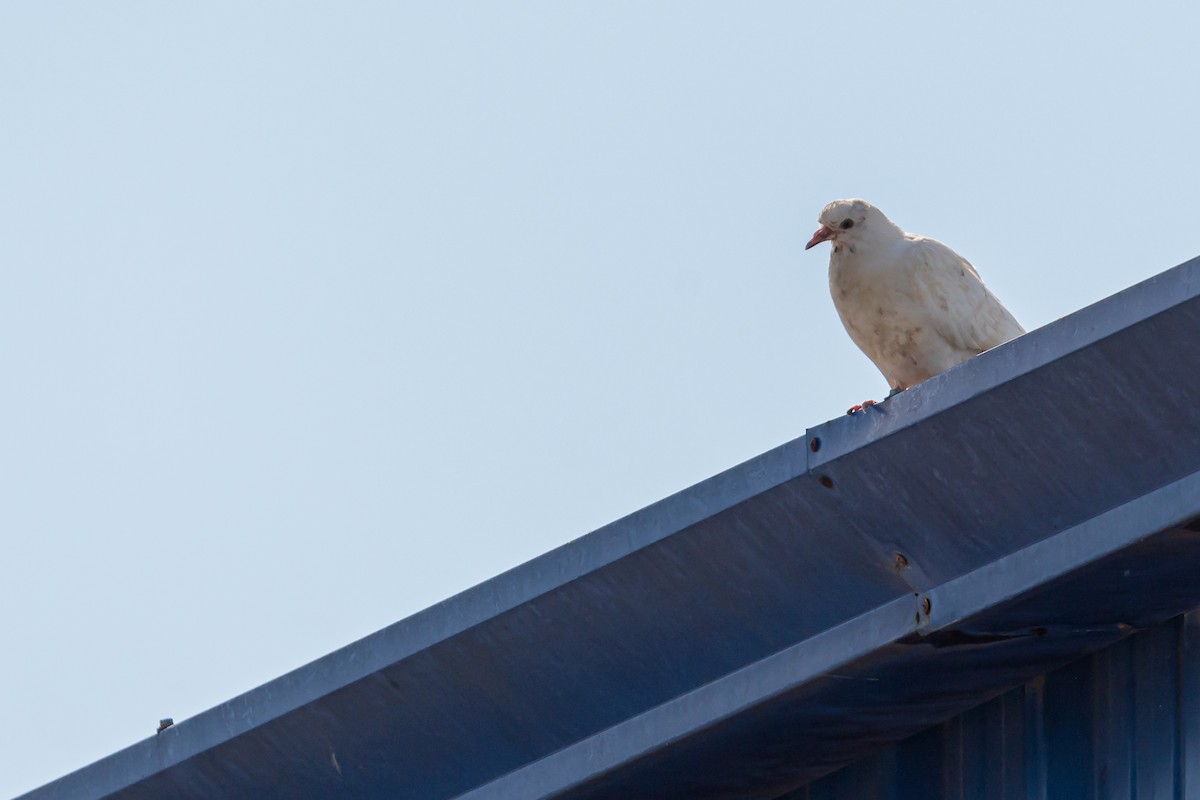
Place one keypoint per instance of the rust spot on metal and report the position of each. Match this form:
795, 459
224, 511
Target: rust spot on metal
815, 444
826, 481
900, 559
926, 606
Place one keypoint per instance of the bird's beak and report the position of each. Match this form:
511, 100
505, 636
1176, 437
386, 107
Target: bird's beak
823, 233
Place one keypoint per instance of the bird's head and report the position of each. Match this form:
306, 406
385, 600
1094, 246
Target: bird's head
849, 222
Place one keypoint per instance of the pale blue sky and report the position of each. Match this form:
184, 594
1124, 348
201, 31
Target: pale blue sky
314, 314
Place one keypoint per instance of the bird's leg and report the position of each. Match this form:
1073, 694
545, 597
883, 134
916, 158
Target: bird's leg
865, 404
861, 407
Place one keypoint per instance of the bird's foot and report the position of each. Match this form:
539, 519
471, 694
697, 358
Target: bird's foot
863, 407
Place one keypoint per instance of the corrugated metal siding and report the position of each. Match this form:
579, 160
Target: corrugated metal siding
1122, 724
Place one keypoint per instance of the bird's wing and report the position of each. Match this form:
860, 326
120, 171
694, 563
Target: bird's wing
963, 310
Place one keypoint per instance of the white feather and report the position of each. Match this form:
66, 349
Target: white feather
913, 305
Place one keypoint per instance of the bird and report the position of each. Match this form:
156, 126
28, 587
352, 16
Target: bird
915, 307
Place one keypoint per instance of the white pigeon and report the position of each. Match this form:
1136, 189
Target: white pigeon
913, 305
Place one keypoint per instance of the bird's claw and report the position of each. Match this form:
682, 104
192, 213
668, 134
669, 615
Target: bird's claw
862, 407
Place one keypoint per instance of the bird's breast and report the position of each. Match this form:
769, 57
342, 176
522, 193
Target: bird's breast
886, 315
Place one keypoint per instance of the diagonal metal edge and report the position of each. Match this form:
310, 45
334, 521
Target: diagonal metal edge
474, 606
955, 600
623, 537
1005, 363
1018, 572
705, 706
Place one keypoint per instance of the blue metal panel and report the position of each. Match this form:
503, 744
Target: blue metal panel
1115, 755
1118, 725
1189, 707
794, 614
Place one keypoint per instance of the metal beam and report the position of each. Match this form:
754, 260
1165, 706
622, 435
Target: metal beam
769, 624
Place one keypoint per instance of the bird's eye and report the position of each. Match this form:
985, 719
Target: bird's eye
847, 224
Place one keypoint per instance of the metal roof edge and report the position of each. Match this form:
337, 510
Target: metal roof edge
951, 600
440, 621
1067, 551
970, 595
705, 706
1034, 350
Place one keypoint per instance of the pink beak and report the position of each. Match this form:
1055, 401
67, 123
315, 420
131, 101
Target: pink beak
823, 233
